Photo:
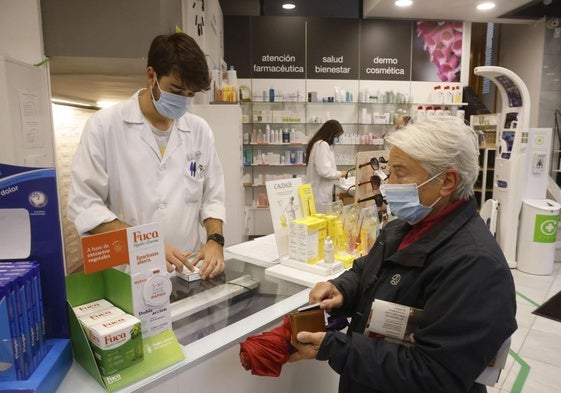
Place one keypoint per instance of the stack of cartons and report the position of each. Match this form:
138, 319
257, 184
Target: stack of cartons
22, 324
305, 239
115, 336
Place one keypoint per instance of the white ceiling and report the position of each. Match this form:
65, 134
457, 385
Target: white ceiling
90, 80
464, 10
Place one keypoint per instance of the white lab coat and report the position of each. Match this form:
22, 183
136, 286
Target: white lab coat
322, 174
118, 172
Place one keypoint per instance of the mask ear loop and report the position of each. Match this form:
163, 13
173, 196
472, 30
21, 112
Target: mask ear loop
431, 179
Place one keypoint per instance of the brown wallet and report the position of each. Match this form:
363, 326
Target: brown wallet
306, 321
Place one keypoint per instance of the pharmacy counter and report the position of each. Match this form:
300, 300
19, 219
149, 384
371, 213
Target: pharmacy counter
210, 319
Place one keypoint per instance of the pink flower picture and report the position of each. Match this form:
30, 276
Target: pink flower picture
442, 42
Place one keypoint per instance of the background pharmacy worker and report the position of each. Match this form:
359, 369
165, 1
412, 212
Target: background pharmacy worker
438, 256
149, 160
321, 171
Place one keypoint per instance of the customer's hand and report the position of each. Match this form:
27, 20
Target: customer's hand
307, 346
327, 295
212, 256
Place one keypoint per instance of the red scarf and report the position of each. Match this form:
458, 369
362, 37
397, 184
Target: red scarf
422, 227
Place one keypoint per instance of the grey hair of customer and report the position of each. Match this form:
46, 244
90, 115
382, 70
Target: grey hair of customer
441, 143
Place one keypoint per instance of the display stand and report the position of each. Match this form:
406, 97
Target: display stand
144, 293
29, 213
160, 351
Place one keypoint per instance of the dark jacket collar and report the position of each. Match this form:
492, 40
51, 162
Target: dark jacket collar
416, 253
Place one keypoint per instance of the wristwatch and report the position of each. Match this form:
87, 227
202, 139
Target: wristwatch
218, 238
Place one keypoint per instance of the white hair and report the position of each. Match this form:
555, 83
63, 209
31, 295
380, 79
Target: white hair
442, 143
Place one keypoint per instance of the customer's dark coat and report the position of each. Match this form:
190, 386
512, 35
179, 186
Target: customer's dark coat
458, 275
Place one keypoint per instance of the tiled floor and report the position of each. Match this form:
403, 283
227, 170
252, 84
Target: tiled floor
534, 361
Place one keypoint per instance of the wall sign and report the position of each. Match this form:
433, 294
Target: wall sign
237, 44
385, 50
278, 50
332, 48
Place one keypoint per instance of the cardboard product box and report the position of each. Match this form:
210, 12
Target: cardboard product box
306, 237
97, 317
92, 307
116, 343
11, 358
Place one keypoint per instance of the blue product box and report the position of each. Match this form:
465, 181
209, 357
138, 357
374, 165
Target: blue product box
28, 339
28, 272
11, 362
14, 323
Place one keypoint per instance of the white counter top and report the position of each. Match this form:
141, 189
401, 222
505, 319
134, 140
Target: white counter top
197, 352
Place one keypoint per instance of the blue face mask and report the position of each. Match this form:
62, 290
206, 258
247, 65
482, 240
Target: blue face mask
170, 105
403, 200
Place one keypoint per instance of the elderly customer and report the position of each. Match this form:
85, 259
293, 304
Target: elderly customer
437, 256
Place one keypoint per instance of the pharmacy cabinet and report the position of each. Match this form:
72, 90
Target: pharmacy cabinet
276, 133
483, 187
275, 136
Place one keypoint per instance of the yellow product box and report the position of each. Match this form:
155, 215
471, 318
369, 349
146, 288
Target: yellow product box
336, 232
116, 343
307, 199
345, 258
306, 237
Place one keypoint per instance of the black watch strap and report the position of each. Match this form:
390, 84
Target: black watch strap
217, 238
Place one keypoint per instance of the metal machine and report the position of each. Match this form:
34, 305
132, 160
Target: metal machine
522, 161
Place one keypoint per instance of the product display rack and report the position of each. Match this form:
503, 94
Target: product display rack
275, 136
483, 187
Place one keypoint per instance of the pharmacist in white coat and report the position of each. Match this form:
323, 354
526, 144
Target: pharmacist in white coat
321, 171
148, 160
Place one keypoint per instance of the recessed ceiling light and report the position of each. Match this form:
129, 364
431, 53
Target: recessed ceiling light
488, 5
403, 3
288, 6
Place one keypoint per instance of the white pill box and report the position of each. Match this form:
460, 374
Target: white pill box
95, 306
96, 317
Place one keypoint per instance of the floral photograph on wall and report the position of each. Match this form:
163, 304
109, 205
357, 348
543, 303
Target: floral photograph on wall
437, 51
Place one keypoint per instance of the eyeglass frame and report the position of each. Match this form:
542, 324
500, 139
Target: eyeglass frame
373, 162
375, 181
378, 199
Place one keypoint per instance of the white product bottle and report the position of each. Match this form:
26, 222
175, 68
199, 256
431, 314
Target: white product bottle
328, 251
267, 134
232, 77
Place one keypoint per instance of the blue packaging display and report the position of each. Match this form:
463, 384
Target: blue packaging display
35, 190
22, 276
50, 373
11, 360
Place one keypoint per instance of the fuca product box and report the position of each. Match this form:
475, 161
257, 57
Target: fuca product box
92, 307
89, 320
116, 343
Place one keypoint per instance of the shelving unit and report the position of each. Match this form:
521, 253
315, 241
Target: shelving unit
483, 188
486, 126
280, 152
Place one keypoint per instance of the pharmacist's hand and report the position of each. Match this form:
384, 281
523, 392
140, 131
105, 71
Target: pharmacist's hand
307, 346
212, 256
174, 258
327, 295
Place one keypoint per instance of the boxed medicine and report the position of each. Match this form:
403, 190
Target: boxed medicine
88, 308
116, 343
91, 319
306, 237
